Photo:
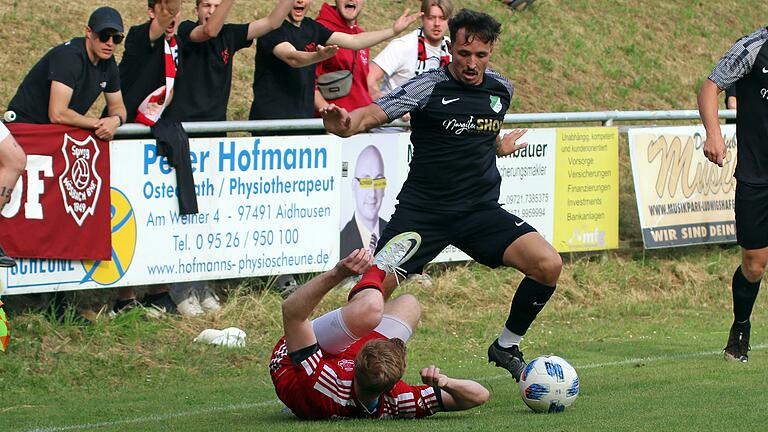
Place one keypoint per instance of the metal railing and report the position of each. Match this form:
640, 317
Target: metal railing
607, 118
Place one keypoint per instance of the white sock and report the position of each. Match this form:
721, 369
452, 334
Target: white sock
507, 339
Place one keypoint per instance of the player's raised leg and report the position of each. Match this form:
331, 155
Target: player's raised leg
541, 264
339, 329
401, 316
388, 260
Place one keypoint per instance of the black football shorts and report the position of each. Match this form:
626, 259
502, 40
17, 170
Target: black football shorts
483, 234
751, 216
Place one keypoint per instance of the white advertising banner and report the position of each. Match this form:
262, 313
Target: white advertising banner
284, 205
268, 205
528, 181
527, 186
682, 198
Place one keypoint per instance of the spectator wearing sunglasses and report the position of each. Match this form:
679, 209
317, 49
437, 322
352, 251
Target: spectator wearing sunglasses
65, 83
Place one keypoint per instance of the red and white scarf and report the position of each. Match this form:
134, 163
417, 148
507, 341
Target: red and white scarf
421, 53
152, 107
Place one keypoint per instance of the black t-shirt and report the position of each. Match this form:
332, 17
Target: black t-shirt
142, 68
453, 130
68, 64
202, 89
279, 90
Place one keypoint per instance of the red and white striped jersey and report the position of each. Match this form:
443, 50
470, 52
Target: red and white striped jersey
320, 387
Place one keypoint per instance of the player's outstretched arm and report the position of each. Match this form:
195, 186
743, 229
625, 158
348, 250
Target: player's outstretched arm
340, 122
457, 394
299, 305
368, 39
507, 144
714, 146
275, 19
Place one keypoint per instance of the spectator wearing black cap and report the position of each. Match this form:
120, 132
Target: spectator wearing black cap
69, 78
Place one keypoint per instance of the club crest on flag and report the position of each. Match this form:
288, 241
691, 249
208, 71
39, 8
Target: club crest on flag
80, 182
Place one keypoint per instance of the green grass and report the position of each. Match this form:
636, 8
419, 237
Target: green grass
668, 310
666, 306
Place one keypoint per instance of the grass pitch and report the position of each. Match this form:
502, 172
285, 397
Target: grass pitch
644, 332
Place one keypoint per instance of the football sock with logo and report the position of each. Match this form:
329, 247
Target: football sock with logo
372, 279
744, 296
529, 300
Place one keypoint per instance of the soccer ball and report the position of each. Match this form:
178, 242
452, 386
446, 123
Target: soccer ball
549, 384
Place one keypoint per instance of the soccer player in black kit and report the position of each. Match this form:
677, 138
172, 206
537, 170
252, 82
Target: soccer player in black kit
451, 195
745, 65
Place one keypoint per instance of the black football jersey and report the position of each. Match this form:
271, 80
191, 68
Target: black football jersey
745, 65
454, 126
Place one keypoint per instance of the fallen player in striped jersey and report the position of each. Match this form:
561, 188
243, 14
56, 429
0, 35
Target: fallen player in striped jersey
349, 362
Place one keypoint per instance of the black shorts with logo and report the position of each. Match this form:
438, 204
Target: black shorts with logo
751, 216
483, 234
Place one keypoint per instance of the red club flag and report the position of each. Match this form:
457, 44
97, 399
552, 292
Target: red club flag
60, 207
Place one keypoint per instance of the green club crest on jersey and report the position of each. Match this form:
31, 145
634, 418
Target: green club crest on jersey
495, 104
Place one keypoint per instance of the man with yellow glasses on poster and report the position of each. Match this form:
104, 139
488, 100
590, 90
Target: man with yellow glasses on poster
368, 185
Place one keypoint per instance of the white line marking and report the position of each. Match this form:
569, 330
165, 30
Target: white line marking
643, 360
157, 418
234, 407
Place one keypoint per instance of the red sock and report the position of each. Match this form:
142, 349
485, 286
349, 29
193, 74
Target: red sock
373, 278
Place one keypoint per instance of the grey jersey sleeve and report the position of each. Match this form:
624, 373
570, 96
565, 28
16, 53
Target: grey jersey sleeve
738, 61
503, 80
412, 94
